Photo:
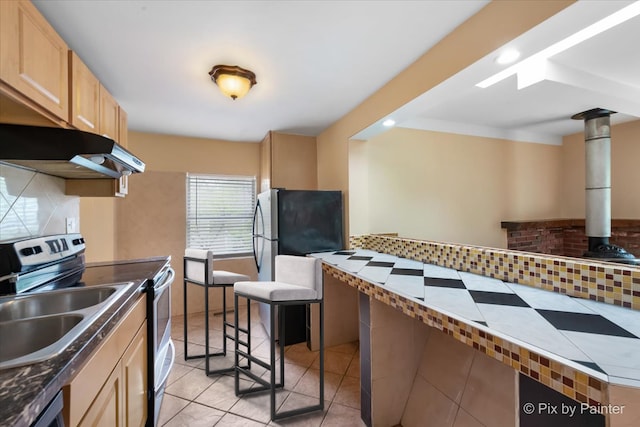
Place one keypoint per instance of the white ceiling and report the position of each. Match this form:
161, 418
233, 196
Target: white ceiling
317, 60
601, 72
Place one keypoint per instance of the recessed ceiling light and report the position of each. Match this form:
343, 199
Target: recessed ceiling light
601, 26
508, 56
389, 123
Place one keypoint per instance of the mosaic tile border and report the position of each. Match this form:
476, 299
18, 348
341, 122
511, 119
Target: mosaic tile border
564, 379
615, 284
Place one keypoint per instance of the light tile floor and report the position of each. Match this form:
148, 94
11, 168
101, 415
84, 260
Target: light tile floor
193, 399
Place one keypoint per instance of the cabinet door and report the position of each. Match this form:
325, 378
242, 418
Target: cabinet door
134, 380
293, 162
265, 163
95, 394
123, 132
108, 123
85, 96
106, 409
34, 57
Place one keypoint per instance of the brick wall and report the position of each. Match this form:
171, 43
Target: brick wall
567, 237
540, 240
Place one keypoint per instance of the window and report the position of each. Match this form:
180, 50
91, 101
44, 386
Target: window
220, 213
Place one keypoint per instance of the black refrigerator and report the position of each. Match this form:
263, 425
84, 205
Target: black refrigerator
294, 222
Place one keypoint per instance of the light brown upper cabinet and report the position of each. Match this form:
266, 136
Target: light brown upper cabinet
93, 109
109, 121
265, 163
288, 161
85, 96
33, 57
123, 132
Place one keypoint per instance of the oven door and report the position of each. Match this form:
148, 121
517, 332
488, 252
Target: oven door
161, 349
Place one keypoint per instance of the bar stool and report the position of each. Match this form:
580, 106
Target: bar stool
298, 280
198, 270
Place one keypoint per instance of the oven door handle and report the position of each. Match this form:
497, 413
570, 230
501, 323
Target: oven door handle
171, 352
171, 274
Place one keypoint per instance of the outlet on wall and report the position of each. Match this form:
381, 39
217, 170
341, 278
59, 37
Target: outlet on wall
71, 225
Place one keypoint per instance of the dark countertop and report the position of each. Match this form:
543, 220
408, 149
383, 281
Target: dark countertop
26, 390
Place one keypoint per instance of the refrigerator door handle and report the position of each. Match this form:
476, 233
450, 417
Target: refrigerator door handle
257, 210
255, 254
255, 218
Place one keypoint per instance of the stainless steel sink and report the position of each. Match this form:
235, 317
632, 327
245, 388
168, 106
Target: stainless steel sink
43, 304
36, 327
31, 335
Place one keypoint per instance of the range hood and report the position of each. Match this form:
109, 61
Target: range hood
65, 153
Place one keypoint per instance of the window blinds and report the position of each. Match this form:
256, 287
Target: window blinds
220, 213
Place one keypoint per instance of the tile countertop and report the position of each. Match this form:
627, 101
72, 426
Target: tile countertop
598, 339
26, 390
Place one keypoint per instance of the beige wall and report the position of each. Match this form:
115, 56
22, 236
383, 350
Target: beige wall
434, 377
497, 23
397, 343
150, 221
98, 227
197, 155
293, 162
448, 187
359, 187
625, 172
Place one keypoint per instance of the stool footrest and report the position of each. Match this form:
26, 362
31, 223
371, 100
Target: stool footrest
244, 343
241, 329
202, 356
195, 356
265, 385
298, 411
253, 359
221, 370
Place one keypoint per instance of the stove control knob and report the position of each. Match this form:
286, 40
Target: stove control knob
31, 251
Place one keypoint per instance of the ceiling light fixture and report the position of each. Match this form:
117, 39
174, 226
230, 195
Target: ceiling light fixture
232, 80
388, 123
601, 26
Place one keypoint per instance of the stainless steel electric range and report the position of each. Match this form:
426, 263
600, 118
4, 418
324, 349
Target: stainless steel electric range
45, 263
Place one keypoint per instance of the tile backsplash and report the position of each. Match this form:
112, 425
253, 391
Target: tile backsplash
617, 284
33, 204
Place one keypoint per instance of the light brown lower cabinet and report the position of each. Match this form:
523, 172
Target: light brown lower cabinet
134, 380
106, 409
110, 389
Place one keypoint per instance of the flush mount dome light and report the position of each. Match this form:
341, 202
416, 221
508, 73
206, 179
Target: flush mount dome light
388, 123
232, 80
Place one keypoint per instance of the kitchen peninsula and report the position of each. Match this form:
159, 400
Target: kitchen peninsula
517, 326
